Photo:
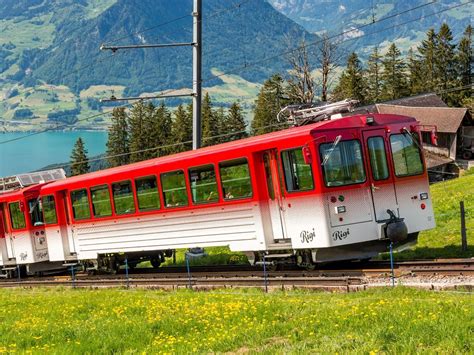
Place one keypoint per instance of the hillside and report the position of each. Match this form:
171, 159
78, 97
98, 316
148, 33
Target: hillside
50, 58
337, 16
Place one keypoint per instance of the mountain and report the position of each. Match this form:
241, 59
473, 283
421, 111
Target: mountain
337, 16
51, 68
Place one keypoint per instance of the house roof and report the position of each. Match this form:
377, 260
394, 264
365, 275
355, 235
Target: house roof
423, 100
446, 119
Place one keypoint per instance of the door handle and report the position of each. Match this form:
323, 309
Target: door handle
374, 188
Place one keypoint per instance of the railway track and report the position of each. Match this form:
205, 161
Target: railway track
344, 277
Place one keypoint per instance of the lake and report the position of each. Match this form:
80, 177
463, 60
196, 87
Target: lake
43, 149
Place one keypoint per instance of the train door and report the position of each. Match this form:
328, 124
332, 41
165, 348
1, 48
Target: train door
274, 194
3, 245
381, 180
38, 232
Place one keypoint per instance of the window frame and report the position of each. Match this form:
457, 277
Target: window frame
219, 198
222, 183
11, 216
107, 186
323, 170
114, 205
420, 154
162, 190
158, 193
35, 224
386, 159
73, 215
282, 167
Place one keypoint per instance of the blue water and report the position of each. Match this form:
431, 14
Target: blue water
37, 151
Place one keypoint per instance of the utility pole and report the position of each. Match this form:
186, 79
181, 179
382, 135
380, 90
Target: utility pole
197, 71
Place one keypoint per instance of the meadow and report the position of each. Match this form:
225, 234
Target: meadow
398, 320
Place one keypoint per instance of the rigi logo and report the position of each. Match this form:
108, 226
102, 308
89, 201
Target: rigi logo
340, 235
307, 236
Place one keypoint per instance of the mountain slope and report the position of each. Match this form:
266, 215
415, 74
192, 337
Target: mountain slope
336, 16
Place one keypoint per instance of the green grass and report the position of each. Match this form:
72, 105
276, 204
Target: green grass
445, 240
396, 320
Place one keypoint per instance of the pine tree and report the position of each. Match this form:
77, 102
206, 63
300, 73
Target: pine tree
464, 61
79, 161
394, 83
351, 83
427, 51
181, 129
444, 58
151, 133
162, 122
138, 135
222, 128
374, 76
267, 106
117, 142
235, 122
415, 74
209, 123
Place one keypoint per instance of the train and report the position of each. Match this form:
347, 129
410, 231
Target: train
342, 188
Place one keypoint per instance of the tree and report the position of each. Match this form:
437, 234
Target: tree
162, 122
235, 122
374, 76
222, 125
394, 83
300, 81
79, 161
351, 83
415, 74
118, 145
444, 59
427, 51
209, 123
328, 59
138, 135
150, 132
267, 106
464, 61
181, 129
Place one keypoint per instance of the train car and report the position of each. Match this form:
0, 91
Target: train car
334, 190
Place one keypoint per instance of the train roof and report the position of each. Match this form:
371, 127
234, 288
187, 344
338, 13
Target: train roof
356, 121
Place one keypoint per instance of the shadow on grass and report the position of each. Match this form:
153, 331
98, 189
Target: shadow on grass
447, 252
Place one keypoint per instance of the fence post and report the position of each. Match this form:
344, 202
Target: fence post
463, 227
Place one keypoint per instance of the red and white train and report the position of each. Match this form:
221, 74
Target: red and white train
338, 189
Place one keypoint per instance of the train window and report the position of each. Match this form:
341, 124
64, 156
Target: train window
147, 194
203, 184
406, 154
17, 217
298, 174
378, 158
123, 197
342, 163
174, 189
80, 204
101, 201
49, 210
35, 209
235, 178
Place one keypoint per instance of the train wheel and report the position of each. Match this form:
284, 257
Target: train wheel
155, 262
310, 267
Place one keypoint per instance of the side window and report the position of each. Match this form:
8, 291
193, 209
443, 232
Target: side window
298, 174
342, 163
378, 158
235, 177
406, 155
147, 193
203, 184
49, 210
35, 210
123, 197
101, 201
174, 189
80, 204
17, 217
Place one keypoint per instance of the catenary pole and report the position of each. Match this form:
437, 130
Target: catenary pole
197, 73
